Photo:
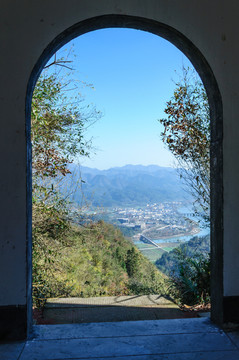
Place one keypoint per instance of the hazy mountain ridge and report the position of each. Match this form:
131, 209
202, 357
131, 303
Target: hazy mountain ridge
128, 185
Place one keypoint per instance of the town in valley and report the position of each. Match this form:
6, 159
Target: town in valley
154, 228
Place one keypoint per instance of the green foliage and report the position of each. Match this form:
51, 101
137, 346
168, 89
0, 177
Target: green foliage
168, 262
70, 260
58, 133
190, 284
48, 242
132, 262
94, 264
110, 265
94, 260
188, 268
152, 254
187, 135
58, 124
127, 231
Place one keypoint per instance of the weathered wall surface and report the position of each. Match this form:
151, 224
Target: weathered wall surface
27, 27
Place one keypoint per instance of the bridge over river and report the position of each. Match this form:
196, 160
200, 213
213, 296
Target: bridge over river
147, 240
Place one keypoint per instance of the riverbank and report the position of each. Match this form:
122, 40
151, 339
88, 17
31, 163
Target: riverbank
191, 233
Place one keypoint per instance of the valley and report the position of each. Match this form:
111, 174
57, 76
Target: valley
142, 201
160, 222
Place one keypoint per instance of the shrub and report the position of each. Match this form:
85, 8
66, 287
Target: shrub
190, 281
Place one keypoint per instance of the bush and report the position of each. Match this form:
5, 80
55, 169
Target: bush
190, 282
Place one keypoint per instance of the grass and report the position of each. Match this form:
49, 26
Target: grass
153, 254
143, 246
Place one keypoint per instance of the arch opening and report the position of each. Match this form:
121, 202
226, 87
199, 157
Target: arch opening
209, 81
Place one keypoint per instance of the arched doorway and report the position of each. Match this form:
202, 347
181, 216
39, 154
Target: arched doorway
213, 93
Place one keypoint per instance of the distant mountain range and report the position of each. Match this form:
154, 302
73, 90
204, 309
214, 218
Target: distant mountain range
125, 186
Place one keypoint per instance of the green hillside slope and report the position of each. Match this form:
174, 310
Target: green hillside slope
168, 262
92, 260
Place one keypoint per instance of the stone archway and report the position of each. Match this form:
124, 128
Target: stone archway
206, 74
30, 32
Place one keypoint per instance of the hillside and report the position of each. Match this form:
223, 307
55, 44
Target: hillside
93, 260
168, 262
130, 185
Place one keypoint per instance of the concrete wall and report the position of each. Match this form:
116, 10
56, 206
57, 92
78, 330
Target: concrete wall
27, 28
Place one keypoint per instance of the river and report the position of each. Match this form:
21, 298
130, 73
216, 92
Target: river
203, 230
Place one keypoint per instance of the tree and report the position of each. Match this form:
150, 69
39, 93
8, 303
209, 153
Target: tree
58, 126
59, 122
132, 262
187, 135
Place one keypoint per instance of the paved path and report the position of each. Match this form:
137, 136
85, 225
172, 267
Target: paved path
179, 339
114, 308
126, 300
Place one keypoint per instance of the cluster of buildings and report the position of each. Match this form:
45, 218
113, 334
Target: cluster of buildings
152, 214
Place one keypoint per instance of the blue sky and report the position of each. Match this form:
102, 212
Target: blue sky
132, 72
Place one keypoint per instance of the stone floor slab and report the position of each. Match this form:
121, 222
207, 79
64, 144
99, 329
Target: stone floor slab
187, 339
131, 328
225, 355
11, 351
234, 336
126, 346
